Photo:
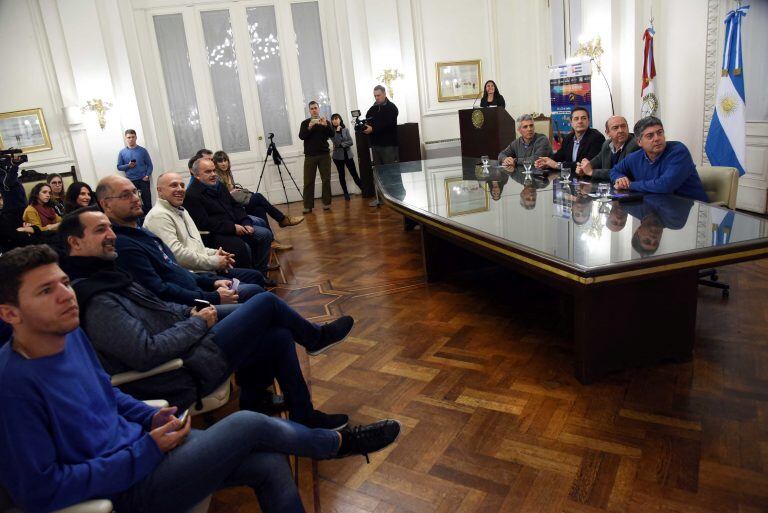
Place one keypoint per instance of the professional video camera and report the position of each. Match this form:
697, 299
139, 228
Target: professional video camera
359, 123
7, 158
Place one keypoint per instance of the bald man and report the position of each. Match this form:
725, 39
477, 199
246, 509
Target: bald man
619, 144
172, 223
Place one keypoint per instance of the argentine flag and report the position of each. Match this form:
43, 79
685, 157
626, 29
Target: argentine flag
726, 141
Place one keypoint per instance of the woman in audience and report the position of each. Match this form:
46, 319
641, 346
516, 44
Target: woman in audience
57, 192
254, 203
342, 142
79, 195
40, 211
492, 96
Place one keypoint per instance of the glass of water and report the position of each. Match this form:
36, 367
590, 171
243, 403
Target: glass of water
603, 189
484, 160
565, 173
527, 163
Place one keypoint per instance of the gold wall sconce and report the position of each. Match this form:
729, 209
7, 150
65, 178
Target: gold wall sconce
100, 107
388, 76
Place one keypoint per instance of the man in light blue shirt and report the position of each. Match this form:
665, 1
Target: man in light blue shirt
134, 161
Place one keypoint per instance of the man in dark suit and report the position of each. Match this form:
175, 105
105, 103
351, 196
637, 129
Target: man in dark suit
583, 142
619, 144
214, 210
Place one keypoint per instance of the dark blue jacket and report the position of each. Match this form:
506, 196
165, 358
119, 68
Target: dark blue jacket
673, 172
152, 264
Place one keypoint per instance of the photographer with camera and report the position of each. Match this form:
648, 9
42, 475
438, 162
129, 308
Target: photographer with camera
381, 128
14, 197
315, 132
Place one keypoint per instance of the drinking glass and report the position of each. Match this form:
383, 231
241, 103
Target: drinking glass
603, 189
527, 163
484, 160
565, 173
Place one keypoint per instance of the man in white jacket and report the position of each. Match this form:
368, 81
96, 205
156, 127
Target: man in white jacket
172, 223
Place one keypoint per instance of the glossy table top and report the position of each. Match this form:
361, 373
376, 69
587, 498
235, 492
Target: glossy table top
564, 223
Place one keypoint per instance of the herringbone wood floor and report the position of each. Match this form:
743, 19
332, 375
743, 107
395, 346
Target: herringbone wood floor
478, 370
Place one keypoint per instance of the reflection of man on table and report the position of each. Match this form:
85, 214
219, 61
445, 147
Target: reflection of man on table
656, 212
529, 145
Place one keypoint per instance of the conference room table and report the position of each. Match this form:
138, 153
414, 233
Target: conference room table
628, 266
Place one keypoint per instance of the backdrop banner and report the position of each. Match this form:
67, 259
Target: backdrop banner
569, 85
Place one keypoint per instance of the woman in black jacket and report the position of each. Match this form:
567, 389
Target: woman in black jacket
342, 142
492, 96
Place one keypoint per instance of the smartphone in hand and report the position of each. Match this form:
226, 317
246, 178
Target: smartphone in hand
183, 418
200, 304
235, 284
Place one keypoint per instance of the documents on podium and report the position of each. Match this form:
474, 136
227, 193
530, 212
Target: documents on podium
485, 131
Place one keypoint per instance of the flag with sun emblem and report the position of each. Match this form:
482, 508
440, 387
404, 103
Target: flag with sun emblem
726, 141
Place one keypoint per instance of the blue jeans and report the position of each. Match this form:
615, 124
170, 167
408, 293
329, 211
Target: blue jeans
257, 339
260, 243
243, 449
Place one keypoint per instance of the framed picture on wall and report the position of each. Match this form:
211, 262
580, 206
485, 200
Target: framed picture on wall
465, 196
25, 130
459, 80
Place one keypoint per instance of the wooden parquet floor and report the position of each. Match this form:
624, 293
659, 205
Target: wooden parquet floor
478, 370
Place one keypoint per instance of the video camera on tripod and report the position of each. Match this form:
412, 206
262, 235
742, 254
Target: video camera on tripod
359, 123
8, 160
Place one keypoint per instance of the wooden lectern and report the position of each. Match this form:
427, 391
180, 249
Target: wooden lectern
485, 131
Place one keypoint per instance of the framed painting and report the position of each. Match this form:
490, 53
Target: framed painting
25, 130
458, 80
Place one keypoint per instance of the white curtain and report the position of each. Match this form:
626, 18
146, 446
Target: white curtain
222, 62
309, 43
265, 53
755, 53
179, 85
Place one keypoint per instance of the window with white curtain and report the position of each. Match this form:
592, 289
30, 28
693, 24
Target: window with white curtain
265, 53
565, 16
222, 62
179, 86
309, 44
755, 41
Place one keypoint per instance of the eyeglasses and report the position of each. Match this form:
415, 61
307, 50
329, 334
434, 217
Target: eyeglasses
125, 196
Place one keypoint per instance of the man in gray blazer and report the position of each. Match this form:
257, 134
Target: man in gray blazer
528, 145
619, 144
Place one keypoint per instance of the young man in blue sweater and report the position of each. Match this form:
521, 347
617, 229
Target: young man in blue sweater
134, 161
66, 435
661, 167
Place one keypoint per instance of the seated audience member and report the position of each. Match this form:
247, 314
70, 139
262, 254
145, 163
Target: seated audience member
40, 211
78, 195
203, 153
254, 203
14, 236
57, 192
214, 210
528, 145
582, 142
491, 96
66, 435
655, 213
619, 144
662, 167
170, 221
146, 257
257, 339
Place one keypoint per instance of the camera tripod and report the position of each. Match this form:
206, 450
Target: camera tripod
278, 160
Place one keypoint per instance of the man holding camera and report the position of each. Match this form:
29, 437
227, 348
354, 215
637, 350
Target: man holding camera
315, 132
14, 197
381, 128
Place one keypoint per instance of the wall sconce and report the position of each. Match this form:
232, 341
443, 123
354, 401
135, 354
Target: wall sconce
593, 49
100, 107
388, 76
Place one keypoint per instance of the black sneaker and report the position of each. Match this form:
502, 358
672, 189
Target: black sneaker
367, 439
332, 333
320, 420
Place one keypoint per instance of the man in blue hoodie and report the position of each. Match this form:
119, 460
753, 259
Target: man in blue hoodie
67, 435
134, 161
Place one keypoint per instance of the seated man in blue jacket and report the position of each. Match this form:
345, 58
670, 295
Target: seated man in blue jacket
67, 436
661, 167
151, 263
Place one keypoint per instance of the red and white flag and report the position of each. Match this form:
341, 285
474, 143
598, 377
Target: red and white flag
649, 101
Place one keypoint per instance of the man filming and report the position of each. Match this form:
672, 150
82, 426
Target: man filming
14, 197
381, 128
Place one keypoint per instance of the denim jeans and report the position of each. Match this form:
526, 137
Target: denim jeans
260, 243
257, 339
243, 449
260, 207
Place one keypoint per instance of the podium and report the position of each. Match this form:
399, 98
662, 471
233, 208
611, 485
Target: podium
485, 131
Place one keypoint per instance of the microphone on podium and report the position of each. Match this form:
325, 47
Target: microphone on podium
478, 97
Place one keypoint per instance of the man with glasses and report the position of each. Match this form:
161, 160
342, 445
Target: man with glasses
662, 167
151, 262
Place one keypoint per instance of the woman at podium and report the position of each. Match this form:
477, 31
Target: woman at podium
491, 96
